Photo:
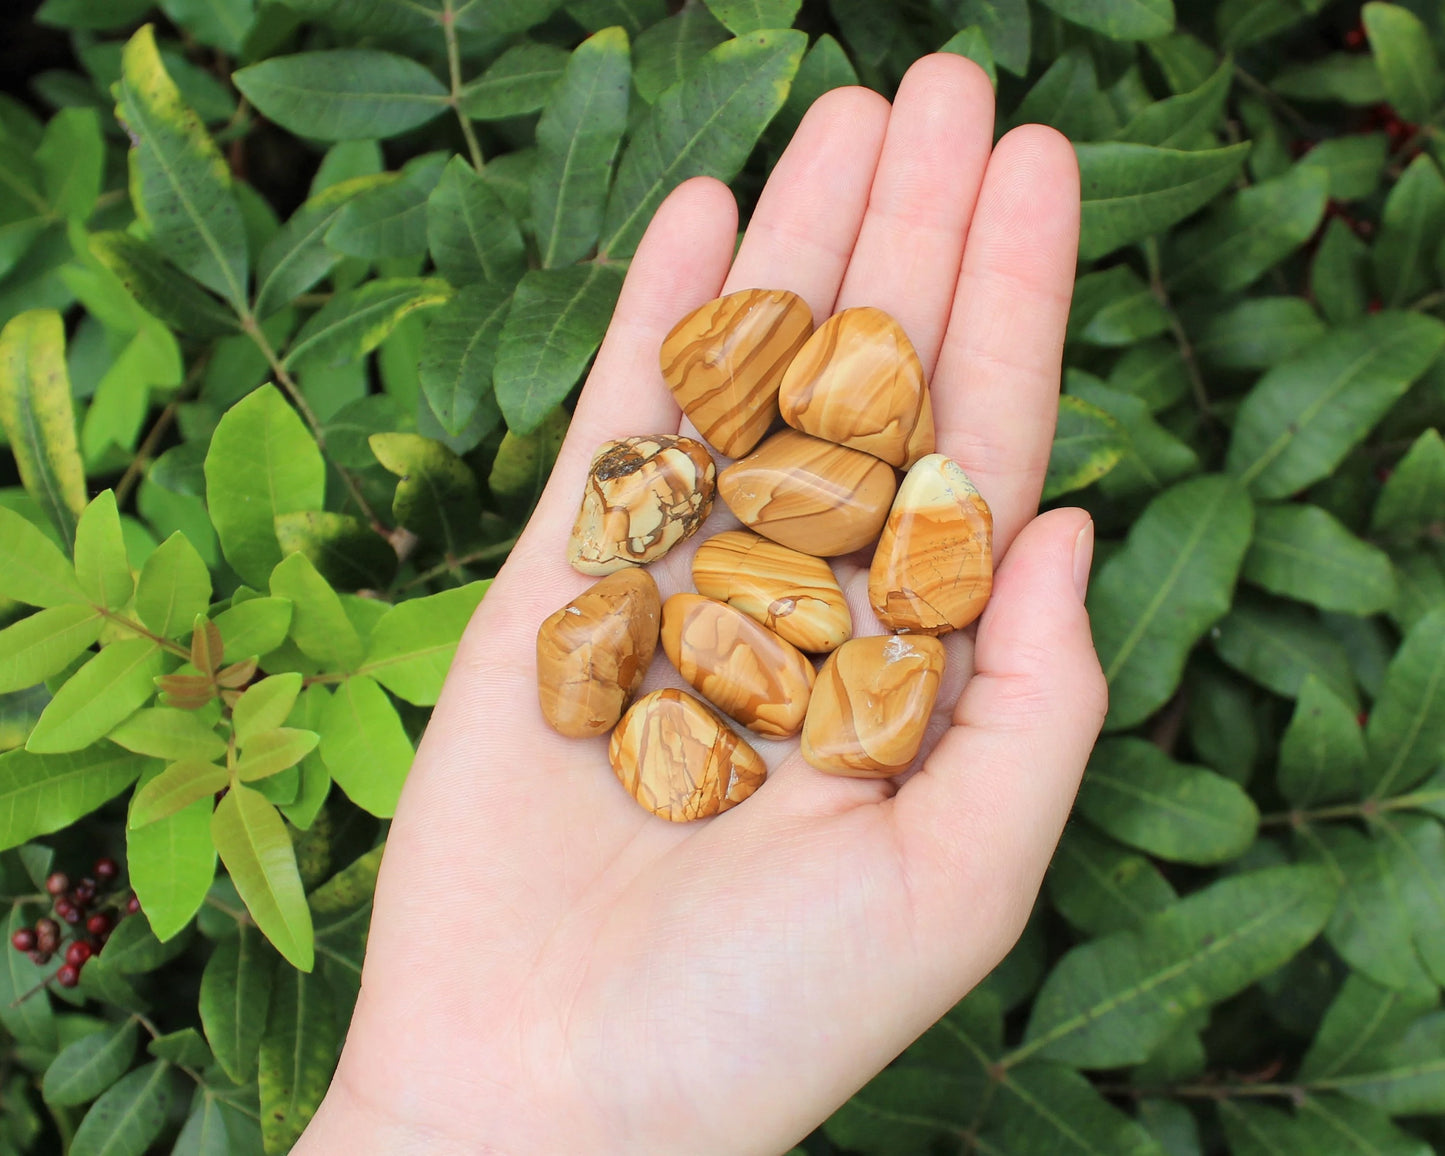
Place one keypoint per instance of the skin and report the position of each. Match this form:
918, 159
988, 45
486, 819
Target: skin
551, 969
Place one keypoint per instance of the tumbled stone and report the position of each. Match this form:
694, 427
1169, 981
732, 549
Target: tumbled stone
592, 654
858, 382
933, 569
871, 703
809, 494
789, 592
643, 496
680, 760
725, 360
738, 665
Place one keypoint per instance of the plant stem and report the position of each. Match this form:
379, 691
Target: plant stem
454, 68
452, 565
1301, 817
136, 628
1176, 328
155, 1034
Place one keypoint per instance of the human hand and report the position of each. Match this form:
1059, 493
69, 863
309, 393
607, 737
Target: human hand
554, 970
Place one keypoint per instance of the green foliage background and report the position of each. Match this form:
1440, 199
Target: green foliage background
295, 294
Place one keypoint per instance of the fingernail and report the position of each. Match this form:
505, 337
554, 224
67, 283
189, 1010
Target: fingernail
1083, 558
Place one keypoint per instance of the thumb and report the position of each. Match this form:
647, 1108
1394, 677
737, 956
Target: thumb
983, 817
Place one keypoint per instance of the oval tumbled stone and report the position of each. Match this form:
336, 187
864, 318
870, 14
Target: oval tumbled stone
644, 495
725, 360
811, 495
738, 665
789, 592
858, 382
680, 760
933, 569
871, 704
593, 653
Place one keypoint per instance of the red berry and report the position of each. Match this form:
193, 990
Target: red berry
132, 905
23, 940
67, 911
39, 958
98, 924
58, 883
68, 975
84, 891
1355, 37
106, 869
47, 934
77, 953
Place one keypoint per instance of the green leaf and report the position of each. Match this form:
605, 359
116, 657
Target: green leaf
1249, 233
365, 746
101, 566
1305, 553
33, 570
522, 464
904, 1111
345, 550
411, 647
972, 43
298, 1054
1322, 752
222, 24
1115, 307
1183, 121
459, 355
1406, 731
671, 49
206, 1133
180, 185
1363, 1019
38, 419
1110, 1001
1153, 457
344, 94
86, 1068
44, 644
1126, 20
1049, 1108
126, 1120
1088, 443
273, 751
705, 126
1413, 219
174, 586
71, 158
1321, 1124
177, 787
319, 625
262, 462
471, 234
164, 732
160, 288
1279, 644
1258, 332
390, 219
235, 996
1132, 191
1347, 77
1409, 68
745, 16
1100, 886
1005, 24
1410, 504
1067, 97
1169, 583
105, 691
185, 1046
578, 136
356, 321
254, 628
1353, 163
516, 83
171, 863
29, 1020
252, 841
555, 324
1337, 274
436, 496
264, 706
1305, 414
1184, 814
80, 14
1409, 1076
375, 17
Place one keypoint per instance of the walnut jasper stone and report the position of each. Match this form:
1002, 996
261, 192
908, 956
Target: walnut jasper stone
739, 666
644, 495
809, 494
933, 569
871, 704
725, 360
592, 654
680, 760
789, 592
858, 382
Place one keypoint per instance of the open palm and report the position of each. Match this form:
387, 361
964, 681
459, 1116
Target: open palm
551, 968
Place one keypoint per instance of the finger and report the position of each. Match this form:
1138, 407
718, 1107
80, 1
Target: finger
995, 395
907, 257
978, 824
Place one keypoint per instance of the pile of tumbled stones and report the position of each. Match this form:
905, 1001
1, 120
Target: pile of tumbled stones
857, 410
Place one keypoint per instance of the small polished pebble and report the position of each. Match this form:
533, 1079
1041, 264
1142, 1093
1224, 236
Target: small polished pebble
725, 360
932, 571
809, 494
593, 653
789, 592
680, 760
858, 382
643, 496
871, 703
738, 665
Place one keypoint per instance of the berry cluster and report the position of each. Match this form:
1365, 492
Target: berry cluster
91, 906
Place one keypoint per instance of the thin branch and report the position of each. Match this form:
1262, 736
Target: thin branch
454, 67
143, 455
1176, 328
1271, 97
1369, 809
136, 628
452, 565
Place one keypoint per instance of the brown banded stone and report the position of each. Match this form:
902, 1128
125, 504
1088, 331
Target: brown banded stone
643, 496
858, 382
592, 654
725, 360
871, 704
809, 494
933, 569
680, 760
738, 665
